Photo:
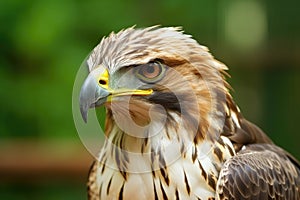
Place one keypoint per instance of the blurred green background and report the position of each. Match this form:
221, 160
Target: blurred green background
44, 42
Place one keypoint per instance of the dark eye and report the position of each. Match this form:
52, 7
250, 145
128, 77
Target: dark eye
150, 72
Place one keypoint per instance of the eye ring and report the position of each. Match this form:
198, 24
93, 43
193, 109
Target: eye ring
151, 72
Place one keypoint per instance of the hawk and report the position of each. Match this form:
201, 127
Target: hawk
172, 128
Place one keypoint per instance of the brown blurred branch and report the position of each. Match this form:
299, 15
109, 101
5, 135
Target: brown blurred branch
31, 160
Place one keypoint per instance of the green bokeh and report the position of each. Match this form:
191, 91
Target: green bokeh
43, 43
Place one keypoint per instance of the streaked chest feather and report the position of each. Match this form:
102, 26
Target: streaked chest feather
163, 168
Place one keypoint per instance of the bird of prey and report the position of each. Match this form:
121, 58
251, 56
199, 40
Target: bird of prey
172, 128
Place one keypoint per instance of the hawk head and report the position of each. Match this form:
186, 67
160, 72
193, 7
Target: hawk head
163, 93
151, 76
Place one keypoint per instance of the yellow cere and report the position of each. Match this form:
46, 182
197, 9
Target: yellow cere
104, 79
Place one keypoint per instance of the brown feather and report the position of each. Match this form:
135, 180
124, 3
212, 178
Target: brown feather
261, 171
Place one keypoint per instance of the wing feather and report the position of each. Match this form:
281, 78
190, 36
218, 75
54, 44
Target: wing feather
261, 171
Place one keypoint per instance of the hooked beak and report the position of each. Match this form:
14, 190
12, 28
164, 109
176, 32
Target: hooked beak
91, 94
95, 91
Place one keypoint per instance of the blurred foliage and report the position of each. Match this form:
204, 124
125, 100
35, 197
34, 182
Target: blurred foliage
43, 43
56, 190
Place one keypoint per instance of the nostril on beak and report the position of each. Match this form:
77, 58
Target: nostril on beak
102, 82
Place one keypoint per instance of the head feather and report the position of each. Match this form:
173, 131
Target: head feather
138, 46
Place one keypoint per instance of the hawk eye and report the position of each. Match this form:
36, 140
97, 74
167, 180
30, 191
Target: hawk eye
150, 72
